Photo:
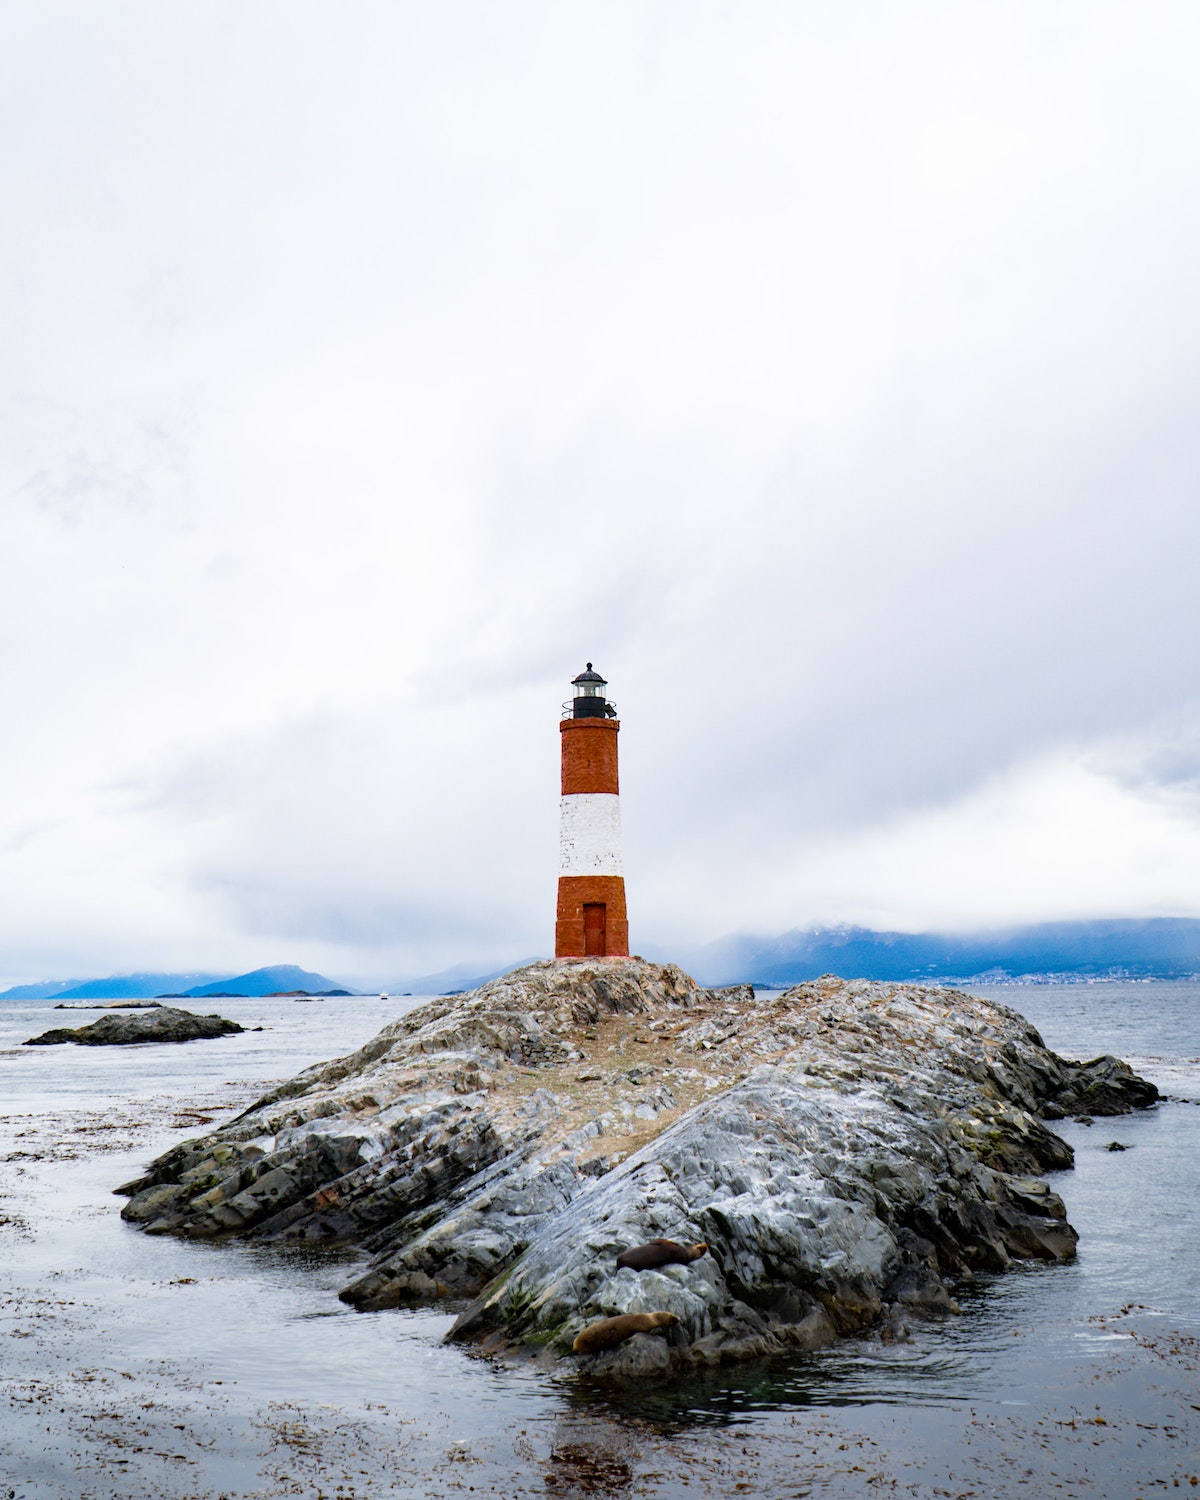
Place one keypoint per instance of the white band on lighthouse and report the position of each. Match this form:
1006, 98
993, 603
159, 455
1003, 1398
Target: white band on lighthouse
590, 834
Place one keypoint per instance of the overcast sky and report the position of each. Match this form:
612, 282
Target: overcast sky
826, 374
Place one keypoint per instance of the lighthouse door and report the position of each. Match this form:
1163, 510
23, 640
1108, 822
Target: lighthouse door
594, 945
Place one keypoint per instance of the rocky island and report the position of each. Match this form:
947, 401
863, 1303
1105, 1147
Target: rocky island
158, 1023
848, 1151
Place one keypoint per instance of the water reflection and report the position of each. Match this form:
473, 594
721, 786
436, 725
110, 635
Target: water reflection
723, 1397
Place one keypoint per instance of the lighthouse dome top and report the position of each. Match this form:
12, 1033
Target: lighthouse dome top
589, 701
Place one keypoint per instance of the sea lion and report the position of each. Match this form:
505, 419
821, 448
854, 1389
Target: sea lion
610, 1332
660, 1253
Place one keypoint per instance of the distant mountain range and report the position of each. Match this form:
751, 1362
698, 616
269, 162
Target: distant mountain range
1047, 953
278, 978
116, 987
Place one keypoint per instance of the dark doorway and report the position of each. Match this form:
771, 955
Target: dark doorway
593, 929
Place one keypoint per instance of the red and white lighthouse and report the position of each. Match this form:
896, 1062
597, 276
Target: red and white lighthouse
591, 883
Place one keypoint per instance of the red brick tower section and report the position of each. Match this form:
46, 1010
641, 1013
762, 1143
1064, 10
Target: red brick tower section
592, 922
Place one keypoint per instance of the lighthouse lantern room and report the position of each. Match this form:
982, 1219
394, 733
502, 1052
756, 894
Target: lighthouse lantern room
591, 919
589, 701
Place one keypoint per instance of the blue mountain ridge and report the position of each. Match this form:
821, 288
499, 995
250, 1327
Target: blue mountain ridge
275, 979
1041, 953
115, 987
1047, 952
149, 986
42, 989
1125, 948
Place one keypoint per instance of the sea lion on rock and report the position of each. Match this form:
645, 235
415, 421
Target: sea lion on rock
660, 1253
610, 1332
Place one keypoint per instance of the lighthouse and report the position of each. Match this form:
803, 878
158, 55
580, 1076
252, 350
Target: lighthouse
591, 883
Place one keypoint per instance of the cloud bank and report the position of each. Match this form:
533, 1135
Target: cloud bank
825, 375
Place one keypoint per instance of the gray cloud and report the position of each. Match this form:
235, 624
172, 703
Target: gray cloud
828, 379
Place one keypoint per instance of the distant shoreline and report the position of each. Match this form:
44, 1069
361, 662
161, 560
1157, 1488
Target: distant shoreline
1061, 980
1006, 981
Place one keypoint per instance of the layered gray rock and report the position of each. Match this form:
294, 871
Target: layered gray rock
849, 1151
162, 1024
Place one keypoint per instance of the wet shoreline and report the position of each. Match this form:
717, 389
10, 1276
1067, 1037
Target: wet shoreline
137, 1367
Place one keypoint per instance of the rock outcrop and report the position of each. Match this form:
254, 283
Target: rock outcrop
161, 1024
108, 1005
849, 1151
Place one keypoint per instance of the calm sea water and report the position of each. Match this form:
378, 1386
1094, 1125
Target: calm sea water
132, 1366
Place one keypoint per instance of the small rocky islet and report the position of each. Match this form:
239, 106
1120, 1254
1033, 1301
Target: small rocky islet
159, 1023
850, 1152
